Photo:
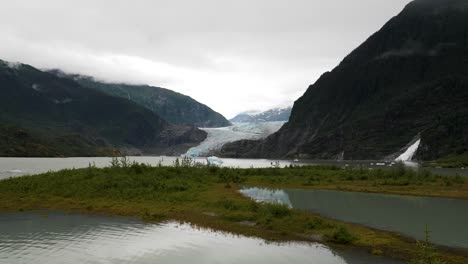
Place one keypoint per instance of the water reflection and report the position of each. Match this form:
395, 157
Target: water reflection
446, 218
64, 238
266, 195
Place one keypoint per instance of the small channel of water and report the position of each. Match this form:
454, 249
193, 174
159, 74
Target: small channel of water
447, 219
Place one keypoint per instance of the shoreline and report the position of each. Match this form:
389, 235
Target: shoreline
214, 223
204, 197
455, 196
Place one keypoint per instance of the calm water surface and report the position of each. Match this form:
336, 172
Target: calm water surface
70, 238
447, 219
13, 167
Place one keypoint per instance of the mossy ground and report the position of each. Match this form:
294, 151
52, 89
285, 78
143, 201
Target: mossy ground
209, 197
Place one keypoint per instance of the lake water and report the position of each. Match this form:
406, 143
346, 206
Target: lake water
13, 167
446, 218
54, 237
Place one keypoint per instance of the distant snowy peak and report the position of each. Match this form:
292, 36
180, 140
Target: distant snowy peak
242, 118
275, 114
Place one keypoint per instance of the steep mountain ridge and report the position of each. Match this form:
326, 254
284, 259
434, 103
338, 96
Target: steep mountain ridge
51, 109
172, 106
410, 79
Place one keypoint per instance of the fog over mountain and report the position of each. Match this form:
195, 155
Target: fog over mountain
200, 48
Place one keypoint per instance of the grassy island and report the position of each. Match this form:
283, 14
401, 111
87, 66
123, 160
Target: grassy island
209, 197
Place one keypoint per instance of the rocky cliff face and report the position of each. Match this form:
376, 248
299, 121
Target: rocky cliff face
409, 79
42, 114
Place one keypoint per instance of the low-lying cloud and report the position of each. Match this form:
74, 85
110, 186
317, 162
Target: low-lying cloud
231, 55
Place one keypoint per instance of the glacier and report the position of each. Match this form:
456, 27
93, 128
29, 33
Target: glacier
217, 137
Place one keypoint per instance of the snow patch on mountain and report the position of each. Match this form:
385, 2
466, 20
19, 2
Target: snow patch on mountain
276, 114
36, 87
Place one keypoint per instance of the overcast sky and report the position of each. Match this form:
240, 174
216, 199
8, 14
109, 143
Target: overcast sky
233, 55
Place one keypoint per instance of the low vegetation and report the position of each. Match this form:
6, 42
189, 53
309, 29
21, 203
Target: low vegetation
209, 197
17, 141
454, 161
399, 180
426, 252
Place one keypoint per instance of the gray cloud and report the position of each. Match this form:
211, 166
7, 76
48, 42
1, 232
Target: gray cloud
232, 55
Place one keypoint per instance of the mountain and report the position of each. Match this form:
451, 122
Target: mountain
408, 81
276, 114
45, 115
173, 107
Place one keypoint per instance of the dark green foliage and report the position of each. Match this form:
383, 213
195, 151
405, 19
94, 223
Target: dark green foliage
228, 176
408, 79
275, 210
341, 236
317, 223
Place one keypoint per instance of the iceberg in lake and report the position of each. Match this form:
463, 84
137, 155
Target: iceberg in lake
214, 161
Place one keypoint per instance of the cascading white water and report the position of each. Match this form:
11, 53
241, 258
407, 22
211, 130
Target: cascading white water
410, 152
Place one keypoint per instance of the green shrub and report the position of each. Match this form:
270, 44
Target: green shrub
341, 236
213, 169
228, 204
426, 253
317, 223
458, 179
275, 210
